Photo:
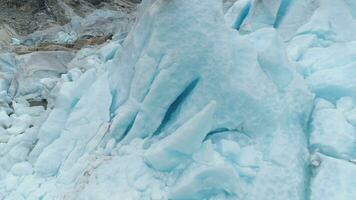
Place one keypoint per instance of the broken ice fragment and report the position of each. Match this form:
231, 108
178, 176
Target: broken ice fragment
205, 182
5, 120
180, 145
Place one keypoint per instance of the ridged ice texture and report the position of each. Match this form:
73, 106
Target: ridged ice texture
253, 104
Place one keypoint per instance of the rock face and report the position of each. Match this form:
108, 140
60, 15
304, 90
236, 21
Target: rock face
28, 16
236, 100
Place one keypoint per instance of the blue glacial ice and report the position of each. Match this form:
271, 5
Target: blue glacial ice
255, 100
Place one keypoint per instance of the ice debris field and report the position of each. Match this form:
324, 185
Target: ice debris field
247, 100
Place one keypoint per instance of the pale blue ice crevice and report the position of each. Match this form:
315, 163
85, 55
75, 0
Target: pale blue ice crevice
297, 14
282, 11
238, 12
175, 106
178, 147
262, 14
286, 16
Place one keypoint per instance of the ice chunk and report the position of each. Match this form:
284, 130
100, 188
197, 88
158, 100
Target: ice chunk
49, 131
329, 22
22, 169
263, 14
161, 64
248, 157
236, 15
292, 15
37, 65
8, 69
321, 58
272, 57
83, 123
334, 179
4, 137
157, 88
229, 149
108, 51
206, 182
180, 145
332, 134
20, 124
67, 98
21, 109
351, 117
66, 37
334, 83
323, 104
344, 104
5, 120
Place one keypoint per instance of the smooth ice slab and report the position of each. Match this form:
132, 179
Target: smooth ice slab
334, 179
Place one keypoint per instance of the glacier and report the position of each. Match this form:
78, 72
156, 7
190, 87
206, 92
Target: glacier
242, 100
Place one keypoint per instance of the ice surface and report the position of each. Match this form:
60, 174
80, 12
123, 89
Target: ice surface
5, 120
180, 145
205, 182
255, 102
22, 169
80, 127
334, 179
332, 134
237, 13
